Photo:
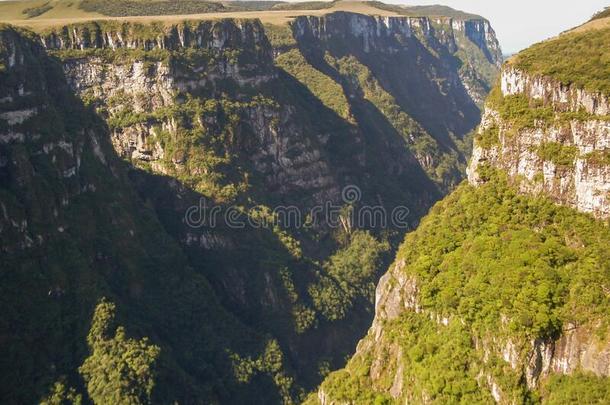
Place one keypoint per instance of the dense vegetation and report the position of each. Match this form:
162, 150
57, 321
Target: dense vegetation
581, 59
538, 288
119, 369
350, 274
440, 362
497, 265
581, 388
426, 11
602, 14
305, 5
120, 8
32, 12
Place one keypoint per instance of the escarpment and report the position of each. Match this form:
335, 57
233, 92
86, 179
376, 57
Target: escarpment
547, 123
486, 302
223, 34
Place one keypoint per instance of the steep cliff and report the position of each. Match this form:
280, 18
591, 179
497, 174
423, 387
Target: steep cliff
501, 294
170, 117
378, 63
555, 137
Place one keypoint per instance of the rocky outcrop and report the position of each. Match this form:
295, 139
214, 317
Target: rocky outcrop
373, 31
583, 181
247, 35
550, 91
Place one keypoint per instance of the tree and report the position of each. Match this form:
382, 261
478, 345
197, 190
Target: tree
119, 370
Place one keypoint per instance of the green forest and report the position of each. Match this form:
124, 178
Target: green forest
498, 264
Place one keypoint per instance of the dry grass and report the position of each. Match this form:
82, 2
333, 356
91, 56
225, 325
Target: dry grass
62, 9
593, 25
67, 11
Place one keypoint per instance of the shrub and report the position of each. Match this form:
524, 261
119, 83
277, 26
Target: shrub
488, 137
32, 12
522, 112
561, 155
599, 157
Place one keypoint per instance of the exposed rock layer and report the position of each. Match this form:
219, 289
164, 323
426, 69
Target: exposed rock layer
583, 183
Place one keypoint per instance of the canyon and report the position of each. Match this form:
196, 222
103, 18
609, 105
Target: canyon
163, 186
110, 132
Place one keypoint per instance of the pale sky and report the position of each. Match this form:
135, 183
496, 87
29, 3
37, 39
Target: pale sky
520, 23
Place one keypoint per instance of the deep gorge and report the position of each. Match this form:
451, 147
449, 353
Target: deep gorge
111, 131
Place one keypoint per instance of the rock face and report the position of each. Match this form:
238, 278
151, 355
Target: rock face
562, 97
583, 181
149, 87
473, 41
225, 34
